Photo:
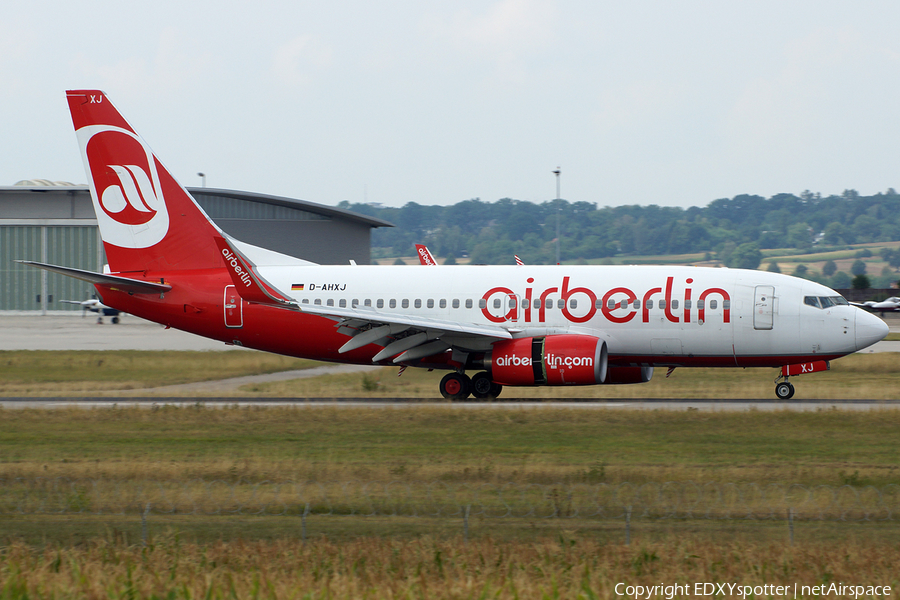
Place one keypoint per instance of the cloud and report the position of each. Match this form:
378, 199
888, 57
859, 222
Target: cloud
505, 32
295, 61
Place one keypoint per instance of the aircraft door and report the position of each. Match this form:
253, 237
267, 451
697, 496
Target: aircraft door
763, 307
234, 308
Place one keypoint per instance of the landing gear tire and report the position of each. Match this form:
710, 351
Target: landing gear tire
483, 387
455, 387
115, 320
784, 390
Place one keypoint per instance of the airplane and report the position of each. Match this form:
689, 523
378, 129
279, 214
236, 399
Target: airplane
94, 305
892, 304
426, 258
511, 325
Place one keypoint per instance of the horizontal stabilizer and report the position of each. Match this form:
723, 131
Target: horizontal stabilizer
124, 284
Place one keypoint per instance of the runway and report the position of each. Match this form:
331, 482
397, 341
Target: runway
675, 404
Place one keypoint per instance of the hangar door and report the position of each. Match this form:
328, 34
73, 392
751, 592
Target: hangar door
763, 307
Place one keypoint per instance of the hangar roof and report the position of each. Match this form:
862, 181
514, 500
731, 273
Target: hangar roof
44, 187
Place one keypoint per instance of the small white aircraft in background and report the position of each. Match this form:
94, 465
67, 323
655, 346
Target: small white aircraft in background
95, 306
892, 304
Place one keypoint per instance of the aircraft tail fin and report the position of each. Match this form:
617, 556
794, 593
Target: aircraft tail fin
148, 221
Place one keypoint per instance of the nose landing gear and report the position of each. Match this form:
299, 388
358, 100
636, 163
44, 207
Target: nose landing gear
784, 390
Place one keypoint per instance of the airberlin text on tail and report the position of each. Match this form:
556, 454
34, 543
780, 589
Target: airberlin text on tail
147, 220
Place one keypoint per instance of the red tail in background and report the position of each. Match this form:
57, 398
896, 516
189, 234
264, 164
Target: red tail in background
147, 220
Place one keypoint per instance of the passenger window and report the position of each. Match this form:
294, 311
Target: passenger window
623, 304
512, 302
405, 303
468, 303
393, 303
610, 304
430, 303
456, 303
599, 303
330, 302
418, 303
548, 303
482, 303
662, 303
699, 304
379, 303
726, 304
317, 302
354, 303
649, 304
573, 303
496, 302
443, 303
811, 301
305, 301
674, 304
343, 302
637, 304
368, 303
560, 303
713, 304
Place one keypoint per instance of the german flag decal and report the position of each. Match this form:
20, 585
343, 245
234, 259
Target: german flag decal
297, 287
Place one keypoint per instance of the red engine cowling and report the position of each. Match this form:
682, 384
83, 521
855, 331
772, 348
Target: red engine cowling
623, 375
552, 360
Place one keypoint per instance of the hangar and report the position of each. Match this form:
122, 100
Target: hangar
54, 222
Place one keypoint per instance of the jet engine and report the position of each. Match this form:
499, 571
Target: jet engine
552, 360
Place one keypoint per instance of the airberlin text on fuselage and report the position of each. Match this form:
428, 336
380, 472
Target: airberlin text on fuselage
623, 303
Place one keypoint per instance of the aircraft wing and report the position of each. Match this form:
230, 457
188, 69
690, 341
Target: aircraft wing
120, 283
409, 337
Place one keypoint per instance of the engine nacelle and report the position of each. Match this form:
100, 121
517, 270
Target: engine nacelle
551, 360
624, 375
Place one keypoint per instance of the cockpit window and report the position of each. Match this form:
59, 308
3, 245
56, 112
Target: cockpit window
825, 301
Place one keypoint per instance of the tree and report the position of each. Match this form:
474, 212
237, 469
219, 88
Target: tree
861, 282
745, 256
773, 267
829, 268
858, 268
841, 281
800, 271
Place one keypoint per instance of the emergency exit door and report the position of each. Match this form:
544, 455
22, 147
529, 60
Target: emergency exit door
763, 307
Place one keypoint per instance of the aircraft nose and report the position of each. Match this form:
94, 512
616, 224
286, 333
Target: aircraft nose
869, 329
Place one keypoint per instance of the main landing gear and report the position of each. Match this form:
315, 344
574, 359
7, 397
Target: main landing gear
458, 386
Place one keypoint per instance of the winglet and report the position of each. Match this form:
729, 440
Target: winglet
247, 281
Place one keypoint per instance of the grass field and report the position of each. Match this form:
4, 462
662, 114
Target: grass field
565, 566
246, 556
65, 372
423, 444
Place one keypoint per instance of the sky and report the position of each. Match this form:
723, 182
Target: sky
640, 102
